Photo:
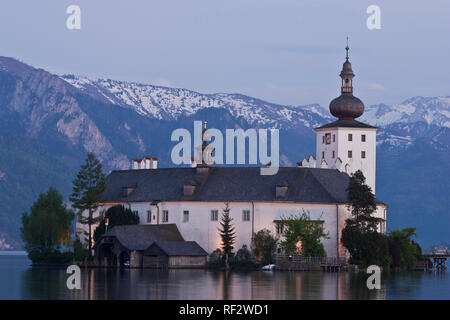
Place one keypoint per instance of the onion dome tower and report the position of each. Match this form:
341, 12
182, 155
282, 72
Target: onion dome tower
347, 144
347, 106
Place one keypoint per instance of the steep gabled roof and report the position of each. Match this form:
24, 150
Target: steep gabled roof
141, 236
228, 184
179, 248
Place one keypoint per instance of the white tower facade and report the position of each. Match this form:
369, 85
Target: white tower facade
347, 144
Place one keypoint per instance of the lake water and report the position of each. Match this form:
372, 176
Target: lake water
18, 280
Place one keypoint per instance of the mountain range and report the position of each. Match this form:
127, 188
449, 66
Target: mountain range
49, 122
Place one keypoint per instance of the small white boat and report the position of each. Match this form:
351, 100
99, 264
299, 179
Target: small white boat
269, 267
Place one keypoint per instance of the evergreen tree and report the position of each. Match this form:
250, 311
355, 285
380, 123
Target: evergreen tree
362, 203
87, 188
117, 216
360, 235
47, 227
227, 234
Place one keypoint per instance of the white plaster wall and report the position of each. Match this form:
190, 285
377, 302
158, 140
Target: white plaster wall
341, 146
205, 232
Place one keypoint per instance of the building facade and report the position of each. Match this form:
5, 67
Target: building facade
193, 198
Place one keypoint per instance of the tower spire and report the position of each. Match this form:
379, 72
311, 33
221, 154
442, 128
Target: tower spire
346, 49
347, 106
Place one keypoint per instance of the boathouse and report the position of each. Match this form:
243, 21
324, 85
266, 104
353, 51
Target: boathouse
159, 246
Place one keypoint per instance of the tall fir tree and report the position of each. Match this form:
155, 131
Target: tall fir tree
360, 235
227, 234
87, 189
362, 203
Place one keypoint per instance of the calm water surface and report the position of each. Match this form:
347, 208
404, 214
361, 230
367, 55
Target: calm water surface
18, 280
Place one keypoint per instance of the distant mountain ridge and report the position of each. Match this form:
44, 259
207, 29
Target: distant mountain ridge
49, 122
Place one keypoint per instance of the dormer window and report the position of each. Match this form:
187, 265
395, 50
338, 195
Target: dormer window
281, 190
128, 189
188, 189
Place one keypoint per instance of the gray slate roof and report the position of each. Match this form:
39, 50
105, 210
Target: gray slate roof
347, 124
228, 184
141, 236
184, 248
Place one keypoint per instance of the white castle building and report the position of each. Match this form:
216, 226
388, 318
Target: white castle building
193, 198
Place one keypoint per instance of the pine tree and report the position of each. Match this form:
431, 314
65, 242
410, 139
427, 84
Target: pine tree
87, 188
362, 203
227, 233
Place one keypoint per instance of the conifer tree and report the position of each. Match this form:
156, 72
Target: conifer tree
362, 202
87, 188
227, 234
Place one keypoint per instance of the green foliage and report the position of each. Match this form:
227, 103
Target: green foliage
80, 252
227, 231
366, 248
47, 227
117, 216
87, 189
243, 257
216, 260
360, 235
264, 246
302, 235
362, 203
404, 251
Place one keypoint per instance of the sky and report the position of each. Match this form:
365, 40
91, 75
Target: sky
282, 51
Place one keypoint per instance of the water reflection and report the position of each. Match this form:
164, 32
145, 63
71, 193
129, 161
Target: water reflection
50, 283
21, 281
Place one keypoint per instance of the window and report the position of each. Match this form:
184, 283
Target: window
363, 154
186, 216
350, 137
280, 228
149, 216
334, 138
323, 139
327, 138
333, 154
350, 153
165, 216
245, 215
214, 215
363, 138
323, 154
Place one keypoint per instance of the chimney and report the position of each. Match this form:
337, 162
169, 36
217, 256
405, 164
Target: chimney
142, 163
147, 160
135, 163
312, 161
305, 163
154, 163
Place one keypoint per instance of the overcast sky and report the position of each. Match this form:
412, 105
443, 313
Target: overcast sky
287, 52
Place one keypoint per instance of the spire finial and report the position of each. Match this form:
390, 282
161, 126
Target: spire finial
346, 49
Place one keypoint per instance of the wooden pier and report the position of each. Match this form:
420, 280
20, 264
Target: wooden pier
438, 257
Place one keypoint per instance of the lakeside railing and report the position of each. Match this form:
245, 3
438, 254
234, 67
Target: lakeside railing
437, 252
300, 263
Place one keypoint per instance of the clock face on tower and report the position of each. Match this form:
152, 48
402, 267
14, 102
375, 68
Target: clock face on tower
327, 138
